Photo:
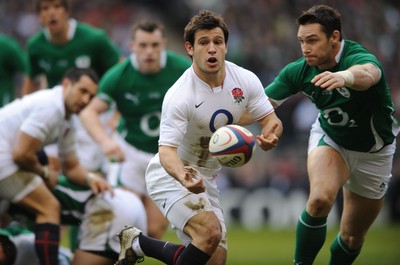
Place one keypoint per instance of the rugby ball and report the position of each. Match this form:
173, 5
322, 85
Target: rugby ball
232, 145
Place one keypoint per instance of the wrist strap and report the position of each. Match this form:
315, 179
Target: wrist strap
348, 77
46, 173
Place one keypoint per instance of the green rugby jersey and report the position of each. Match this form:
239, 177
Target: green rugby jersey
88, 47
13, 61
139, 97
356, 120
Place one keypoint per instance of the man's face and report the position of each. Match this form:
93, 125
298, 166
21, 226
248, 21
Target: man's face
147, 46
317, 49
78, 95
209, 50
54, 16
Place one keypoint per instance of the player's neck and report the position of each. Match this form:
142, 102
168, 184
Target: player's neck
214, 80
60, 37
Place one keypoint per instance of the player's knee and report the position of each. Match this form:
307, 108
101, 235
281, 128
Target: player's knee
211, 236
352, 241
320, 205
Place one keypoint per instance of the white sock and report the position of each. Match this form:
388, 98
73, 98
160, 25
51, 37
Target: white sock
136, 247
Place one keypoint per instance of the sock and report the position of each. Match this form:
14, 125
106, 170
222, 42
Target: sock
310, 237
47, 240
160, 250
341, 254
191, 255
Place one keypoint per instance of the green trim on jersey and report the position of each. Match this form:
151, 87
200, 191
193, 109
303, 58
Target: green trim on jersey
72, 198
139, 97
89, 47
14, 229
356, 120
13, 60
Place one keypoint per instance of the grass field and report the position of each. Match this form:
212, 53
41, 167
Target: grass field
269, 247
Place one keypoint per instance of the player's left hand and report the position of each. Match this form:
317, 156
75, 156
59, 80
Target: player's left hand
98, 184
268, 139
328, 80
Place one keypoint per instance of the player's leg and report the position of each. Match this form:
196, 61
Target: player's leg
363, 199
327, 174
219, 256
358, 215
203, 233
47, 211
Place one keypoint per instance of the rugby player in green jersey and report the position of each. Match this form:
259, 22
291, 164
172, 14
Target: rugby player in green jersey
13, 69
64, 43
137, 86
352, 142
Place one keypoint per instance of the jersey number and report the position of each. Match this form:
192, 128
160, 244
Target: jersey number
338, 112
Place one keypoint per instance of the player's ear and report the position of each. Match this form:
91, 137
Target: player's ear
336, 36
65, 83
189, 48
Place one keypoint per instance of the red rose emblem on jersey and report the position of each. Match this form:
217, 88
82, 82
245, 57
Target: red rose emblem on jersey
237, 94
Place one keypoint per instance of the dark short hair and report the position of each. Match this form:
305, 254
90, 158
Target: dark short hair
10, 251
205, 20
328, 17
148, 25
74, 74
64, 3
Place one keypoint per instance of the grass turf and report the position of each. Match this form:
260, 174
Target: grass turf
275, 247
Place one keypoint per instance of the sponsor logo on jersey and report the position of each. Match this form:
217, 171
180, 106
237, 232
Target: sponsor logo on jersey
133, 98
237, 94
82, 61
344, 92
198, 105
46, 66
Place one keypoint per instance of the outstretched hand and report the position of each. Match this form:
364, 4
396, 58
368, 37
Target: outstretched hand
192, 180
328, 80
268, 139
98, 184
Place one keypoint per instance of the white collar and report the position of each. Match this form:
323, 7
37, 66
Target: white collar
71, 30
339, 54
163, 60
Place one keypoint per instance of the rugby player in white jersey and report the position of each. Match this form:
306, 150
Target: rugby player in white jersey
28, 124
181, 177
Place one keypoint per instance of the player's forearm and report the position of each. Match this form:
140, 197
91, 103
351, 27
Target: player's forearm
30, 163
171, 162
362, 77
74, 171
272, 121
90, 120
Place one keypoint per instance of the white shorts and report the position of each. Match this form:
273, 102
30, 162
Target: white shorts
17, 186
171, 197
133, 169
369, 172
104, 217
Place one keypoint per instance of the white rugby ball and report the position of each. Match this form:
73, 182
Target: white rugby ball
232, 145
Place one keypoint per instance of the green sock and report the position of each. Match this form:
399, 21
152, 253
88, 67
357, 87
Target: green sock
341, 254
310, 237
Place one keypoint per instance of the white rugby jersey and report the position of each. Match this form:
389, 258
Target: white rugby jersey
192, 111
40, 115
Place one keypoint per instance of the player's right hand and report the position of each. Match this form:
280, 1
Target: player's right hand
112, 151
192, 180
98, 184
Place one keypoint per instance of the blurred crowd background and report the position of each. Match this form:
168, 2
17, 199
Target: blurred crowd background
262, 39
